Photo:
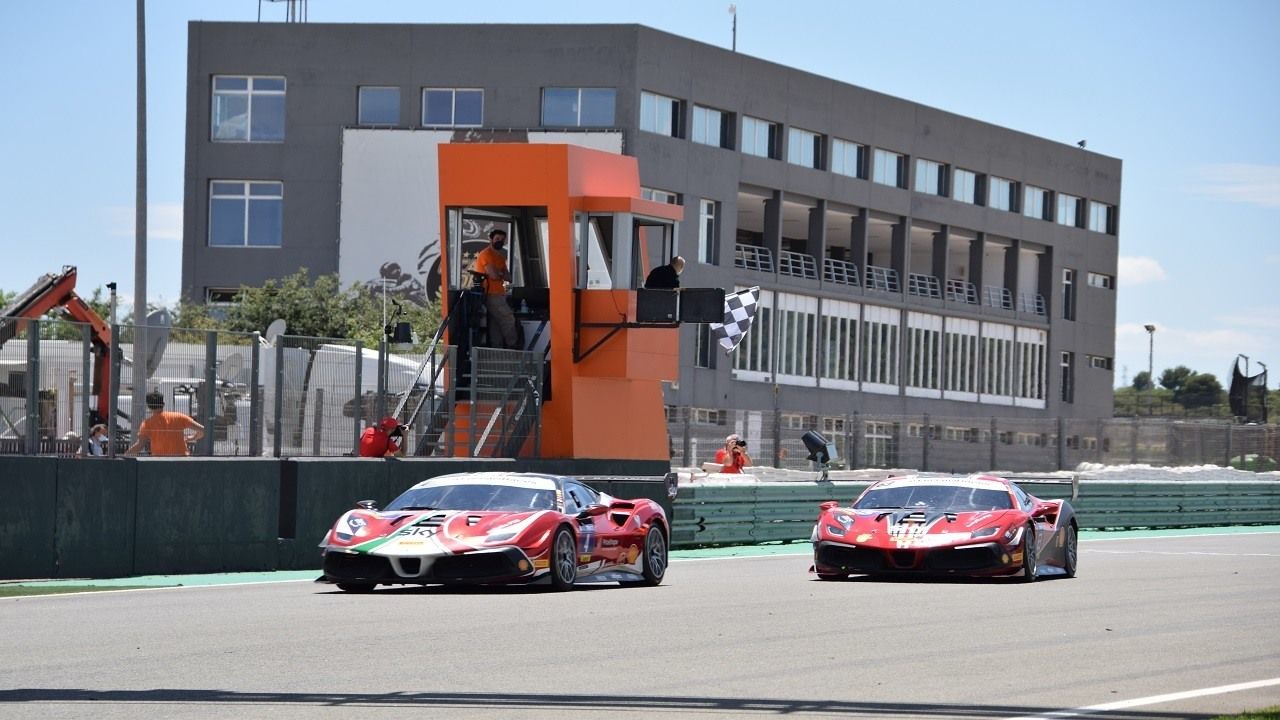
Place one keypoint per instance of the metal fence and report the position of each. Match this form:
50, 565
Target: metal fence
294, 396
966, 444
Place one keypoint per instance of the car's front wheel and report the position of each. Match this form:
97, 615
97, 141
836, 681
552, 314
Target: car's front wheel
1029, 553
655, 556
564, 560
1071, 551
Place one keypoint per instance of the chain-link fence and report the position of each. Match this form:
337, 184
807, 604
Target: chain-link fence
966, 444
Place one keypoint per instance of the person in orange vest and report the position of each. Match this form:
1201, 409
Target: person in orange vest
492, 263
382, 439
165, 431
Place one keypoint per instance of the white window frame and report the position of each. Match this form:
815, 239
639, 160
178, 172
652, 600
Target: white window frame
924, 355
847, 158
662, 196
888, 168
1100, 217
930, 177
1101, 362
1068, 294
964, 186
881, 327
1031, 347
577, 106
804, 148
960, 342
752, 130
708, 231
838, 362
1034, 202
752, 359
249, 93
1000, 193
796, 333
1101, 281
1067, 376
248, 196
1068, 212
360, 106
453, 106
996, 381
659, 114
708, 126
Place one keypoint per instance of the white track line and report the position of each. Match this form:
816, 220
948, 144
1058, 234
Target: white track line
1152, 700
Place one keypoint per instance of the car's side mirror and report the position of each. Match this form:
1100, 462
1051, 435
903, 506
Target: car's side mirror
368, 504
591, 511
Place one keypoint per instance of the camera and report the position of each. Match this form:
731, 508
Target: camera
741, 443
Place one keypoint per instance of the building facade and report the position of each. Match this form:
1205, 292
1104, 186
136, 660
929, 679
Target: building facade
910, 260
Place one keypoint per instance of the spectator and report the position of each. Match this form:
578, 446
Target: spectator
733, 456
665, 276
383, 439
164, 431
98, 440
491, 262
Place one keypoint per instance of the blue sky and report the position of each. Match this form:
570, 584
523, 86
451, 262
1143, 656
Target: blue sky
1186, 93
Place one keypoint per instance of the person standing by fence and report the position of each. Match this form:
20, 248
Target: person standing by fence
164, 431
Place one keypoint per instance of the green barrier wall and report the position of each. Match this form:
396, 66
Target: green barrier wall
28, 486
95, 517
206, 515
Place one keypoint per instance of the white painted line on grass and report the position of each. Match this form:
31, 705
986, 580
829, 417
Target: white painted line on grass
1152, 700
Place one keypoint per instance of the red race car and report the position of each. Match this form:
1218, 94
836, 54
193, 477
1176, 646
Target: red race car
975, 525
496, 527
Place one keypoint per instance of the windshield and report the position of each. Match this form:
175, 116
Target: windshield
957, 498
473, 496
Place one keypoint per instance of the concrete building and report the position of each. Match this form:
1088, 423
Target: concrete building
910, 260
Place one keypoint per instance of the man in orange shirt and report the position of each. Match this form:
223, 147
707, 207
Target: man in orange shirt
166, 432
492, 263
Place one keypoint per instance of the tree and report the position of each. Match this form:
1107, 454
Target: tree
1175, 378
1198, 391
1142, 381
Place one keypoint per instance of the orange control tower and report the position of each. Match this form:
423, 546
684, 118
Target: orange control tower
580, 243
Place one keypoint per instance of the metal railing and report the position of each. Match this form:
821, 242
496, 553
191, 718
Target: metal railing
797, 264
961, 291
1031, 303
882, 278
923, 285
840, 272
753, 257
997, 297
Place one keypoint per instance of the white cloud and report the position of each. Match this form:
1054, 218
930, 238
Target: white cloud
1243, 183
164, 221
1139, 271
1253, 318
1210, 351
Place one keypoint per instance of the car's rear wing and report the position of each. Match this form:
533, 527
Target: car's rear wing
1032, 479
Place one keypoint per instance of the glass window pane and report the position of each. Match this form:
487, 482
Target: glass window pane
379, 106
271, 84
560, 106
230, 117
437, 107
231, 83
265, 189
267, 120
597, 107
468, 107
265, 222
228, 188
226, 222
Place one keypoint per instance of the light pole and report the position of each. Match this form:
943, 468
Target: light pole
1151, 355
1264, 391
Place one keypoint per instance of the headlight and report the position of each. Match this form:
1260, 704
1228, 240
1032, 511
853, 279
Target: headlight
1013, 535
835, 529
985, 532
499, 537
844, 520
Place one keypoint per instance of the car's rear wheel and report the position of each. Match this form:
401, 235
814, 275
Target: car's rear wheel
1071, 550
655, 556
356, 587
1029, 553
564, 560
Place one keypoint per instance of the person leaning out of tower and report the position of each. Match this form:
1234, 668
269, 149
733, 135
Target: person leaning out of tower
491, 262
166, 432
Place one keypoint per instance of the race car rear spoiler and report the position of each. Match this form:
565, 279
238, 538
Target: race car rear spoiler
1032, 479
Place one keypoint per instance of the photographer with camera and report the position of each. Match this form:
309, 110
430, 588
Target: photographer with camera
733, 456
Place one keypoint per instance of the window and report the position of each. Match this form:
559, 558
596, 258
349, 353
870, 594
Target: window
1030, 358
452, 107
662, 196
1102, 218
759, 137
1068, 210
839, 359
964, 187
660, 114
997, 360
247, 109
924, 343
1002, 194
804, 148
379, 106
930, 177
1035, 202
245, 213
712, 127
880, 327
848, 158
1067, 381
752, 360
888, 168
708, 231
1068, 294
703, 345
1098, 280
797, 336
1099, 362
960, 356
578, 107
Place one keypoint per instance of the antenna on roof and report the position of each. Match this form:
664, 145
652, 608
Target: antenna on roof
733, 10
295, 12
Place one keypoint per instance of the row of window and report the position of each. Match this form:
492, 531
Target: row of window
800, 340
763, 138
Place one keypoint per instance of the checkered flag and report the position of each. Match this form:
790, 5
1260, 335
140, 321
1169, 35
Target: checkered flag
739, 311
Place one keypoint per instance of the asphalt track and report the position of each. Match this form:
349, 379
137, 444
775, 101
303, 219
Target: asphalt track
1180, 626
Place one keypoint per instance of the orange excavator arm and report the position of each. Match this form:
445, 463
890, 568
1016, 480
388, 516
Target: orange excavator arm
57, 290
